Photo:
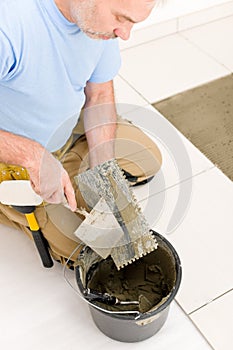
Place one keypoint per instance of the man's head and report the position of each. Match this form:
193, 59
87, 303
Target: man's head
107, 19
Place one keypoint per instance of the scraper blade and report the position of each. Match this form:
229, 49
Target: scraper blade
100, 230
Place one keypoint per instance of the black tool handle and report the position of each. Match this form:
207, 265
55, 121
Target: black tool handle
39, 240
42, 247
92, 295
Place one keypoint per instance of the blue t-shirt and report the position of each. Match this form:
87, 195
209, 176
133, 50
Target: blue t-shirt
45, 63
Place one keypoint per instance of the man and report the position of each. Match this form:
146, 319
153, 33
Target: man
57, 57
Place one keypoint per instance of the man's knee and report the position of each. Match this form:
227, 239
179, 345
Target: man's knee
137, 153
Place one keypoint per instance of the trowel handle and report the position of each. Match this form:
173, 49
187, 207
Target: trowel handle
38, 237
92, 295
42, 247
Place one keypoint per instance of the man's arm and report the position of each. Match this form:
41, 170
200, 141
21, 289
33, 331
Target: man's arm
100, 121
48, 178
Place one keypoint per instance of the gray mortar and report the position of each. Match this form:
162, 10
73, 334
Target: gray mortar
148, 280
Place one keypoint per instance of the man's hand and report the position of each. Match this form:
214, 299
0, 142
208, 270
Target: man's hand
51, 181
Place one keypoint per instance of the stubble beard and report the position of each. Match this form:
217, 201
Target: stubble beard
82, 15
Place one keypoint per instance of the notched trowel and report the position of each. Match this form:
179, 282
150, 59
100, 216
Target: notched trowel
106, 182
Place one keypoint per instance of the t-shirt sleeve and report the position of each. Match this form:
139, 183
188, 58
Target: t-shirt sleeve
108, 64
7, 57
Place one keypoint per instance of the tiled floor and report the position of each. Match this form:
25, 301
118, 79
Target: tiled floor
162, 68
190, 202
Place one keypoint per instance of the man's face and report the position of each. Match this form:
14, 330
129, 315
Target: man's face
108, 19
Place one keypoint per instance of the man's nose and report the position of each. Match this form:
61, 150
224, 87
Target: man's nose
124, 31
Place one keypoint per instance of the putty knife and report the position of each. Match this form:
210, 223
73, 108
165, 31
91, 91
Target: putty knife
98, 229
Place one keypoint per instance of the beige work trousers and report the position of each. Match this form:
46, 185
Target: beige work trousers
136, 153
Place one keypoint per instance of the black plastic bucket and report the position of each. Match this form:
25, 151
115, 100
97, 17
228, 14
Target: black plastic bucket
132, 326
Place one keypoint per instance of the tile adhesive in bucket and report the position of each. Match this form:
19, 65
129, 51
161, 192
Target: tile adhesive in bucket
152, 282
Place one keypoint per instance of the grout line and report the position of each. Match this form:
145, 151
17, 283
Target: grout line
204, 23
208, 21
204, 51
180, 182
216, 298
149, 41
151, 27
131, 86
197, 328
192, 312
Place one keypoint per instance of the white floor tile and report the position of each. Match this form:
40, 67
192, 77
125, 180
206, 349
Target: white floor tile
167, 66
127, 99
204, 240
215, 320
40, 311
164, 210
212, 39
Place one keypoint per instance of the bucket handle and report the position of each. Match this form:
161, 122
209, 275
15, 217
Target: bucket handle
136, 313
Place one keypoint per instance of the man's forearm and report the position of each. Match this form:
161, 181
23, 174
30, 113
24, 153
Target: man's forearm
100, 122
18, 150
48, 178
